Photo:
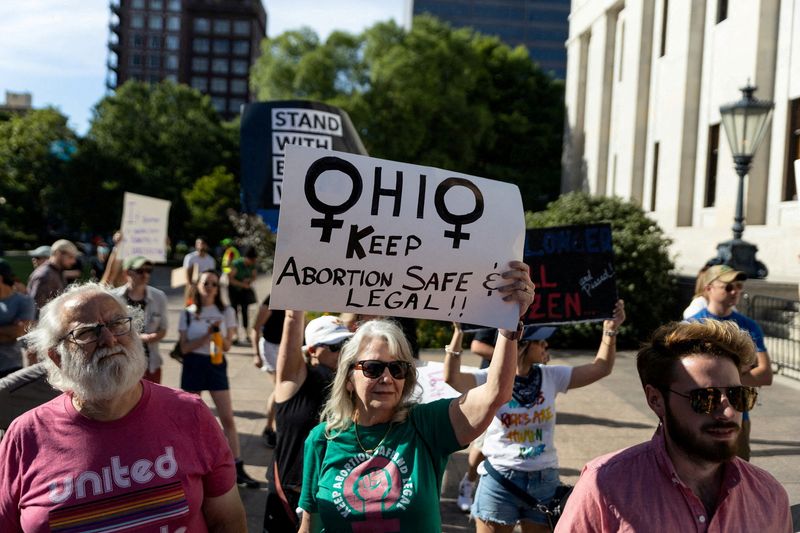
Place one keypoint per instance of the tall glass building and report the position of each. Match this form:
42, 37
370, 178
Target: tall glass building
539, 25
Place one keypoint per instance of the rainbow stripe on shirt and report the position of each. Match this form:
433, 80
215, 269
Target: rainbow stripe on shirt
123, 512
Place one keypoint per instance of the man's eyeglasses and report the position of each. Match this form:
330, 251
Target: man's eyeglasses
143, 270
89, 334
333, 347
373, 369
705, 401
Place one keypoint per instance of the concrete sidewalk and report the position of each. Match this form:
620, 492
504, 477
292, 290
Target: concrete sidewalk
598, 419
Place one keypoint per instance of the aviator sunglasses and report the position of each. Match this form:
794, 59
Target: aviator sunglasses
705, 401
373, 369
335, 348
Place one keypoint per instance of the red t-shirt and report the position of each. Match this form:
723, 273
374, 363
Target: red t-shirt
151, 469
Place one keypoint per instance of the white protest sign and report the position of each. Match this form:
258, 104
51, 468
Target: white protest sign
430, 377
371, 236
144, 227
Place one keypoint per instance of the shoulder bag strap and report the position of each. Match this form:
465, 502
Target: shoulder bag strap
509, 486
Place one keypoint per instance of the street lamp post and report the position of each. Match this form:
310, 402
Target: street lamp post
746, 122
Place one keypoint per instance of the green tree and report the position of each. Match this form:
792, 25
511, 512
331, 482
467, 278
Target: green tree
32, 174
644, 269
159, 139
208, 201
432, 95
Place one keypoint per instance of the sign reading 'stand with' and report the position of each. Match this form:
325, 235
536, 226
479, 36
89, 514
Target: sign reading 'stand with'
372, 236
267, 128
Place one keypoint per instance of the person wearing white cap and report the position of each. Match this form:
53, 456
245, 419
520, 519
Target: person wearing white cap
520, 466
302, 377
48, 280
39, 255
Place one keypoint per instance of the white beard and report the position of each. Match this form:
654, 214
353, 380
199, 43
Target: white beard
101, 377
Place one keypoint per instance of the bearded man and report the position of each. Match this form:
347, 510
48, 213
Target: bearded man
113, 452
687, 478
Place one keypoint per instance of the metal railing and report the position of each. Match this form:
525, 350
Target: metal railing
780, 320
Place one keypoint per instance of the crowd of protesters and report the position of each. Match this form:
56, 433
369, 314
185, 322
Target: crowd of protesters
354, 450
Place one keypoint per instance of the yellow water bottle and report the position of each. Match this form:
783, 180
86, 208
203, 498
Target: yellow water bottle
216, 346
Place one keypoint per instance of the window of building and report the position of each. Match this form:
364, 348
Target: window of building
172, 42
655, 178
235, 105
171, 77
200, 46
222, 27
171, 62
154, 61
155, 22
154, 78
156, 5
792, 152
137, 4
219, 85
137, 40
241, 48
218, 103
201, 84
154, 42
137, 21
173, 23
136, 60
712, 156
174, 5
219, 66
199, 64
664, 16
202, 25
222, 46
241, 27
238, 66
722, 10
239, 86
135, 75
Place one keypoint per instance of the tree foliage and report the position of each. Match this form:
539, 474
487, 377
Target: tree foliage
432, 95
208, 202
160, 138
644, 269
32, 176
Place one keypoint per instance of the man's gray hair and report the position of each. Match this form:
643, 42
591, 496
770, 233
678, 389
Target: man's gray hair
48, 333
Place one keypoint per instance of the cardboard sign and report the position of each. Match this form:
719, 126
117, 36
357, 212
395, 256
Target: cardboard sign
371, 236
144, 227
573, 269
267, 128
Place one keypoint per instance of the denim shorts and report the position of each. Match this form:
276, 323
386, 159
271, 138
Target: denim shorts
493, 503
199, 374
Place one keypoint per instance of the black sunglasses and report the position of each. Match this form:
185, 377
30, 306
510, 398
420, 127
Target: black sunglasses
333, 347
373, 369
705, 401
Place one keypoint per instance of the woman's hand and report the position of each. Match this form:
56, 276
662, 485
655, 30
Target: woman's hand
520, 289
618, 317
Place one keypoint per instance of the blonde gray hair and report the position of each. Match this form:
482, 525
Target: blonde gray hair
340, 408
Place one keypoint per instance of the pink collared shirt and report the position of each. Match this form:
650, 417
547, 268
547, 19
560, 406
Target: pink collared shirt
638, 490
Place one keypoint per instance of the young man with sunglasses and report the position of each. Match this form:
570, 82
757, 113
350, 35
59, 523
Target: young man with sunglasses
687, 478
723, 289
153, 302
303, 375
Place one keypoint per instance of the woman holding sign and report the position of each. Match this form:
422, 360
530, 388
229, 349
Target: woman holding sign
377, 458
520, 466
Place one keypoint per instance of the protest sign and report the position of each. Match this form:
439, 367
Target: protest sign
371, 236
144, 227
573, 269
267, 128
430, 377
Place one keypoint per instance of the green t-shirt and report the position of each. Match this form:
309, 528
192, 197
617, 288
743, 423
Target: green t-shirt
396, 488
243, 271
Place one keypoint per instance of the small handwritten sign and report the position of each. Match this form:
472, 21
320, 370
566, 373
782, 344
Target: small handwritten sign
573, 269
144, 227
366, 235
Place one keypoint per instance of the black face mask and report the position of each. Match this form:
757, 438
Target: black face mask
527, 388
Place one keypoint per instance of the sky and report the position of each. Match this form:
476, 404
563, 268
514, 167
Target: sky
56, 49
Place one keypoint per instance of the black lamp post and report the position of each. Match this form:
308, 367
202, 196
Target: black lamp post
746, 122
